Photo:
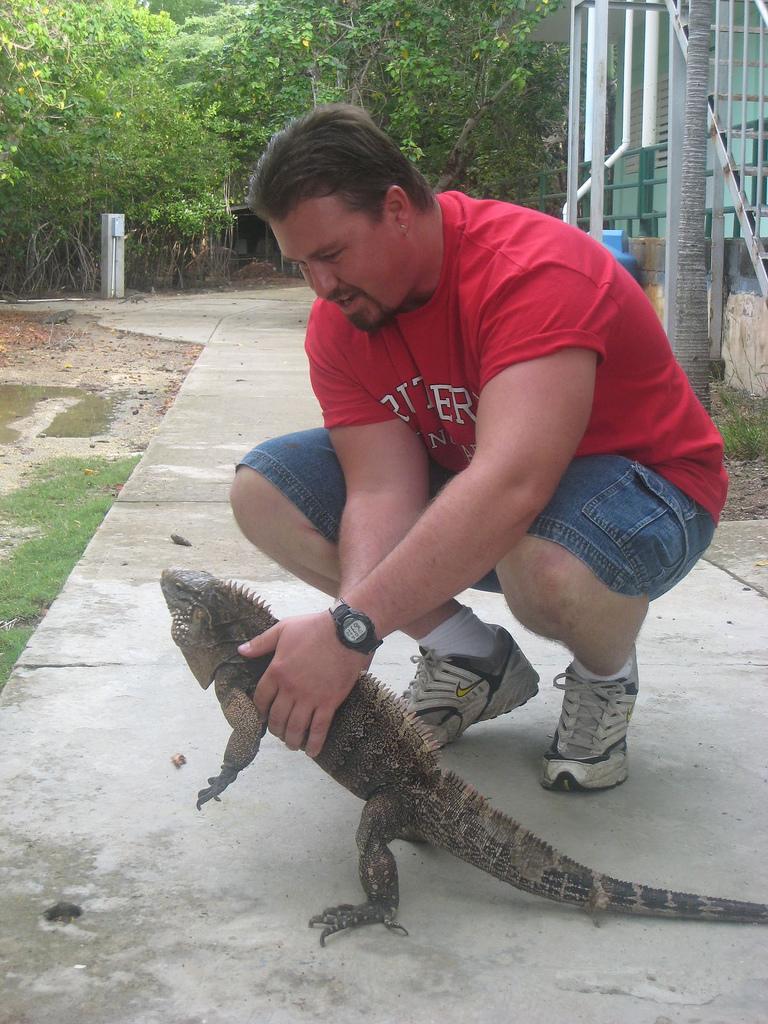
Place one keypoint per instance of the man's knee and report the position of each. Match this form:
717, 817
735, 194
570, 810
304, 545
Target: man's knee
542, 583
555, 594
255, 501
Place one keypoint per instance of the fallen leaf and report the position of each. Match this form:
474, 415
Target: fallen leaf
63, 911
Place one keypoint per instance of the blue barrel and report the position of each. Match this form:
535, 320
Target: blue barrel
618, 243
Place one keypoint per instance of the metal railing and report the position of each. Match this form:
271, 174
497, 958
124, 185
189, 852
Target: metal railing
738, 121
643, 219
738, 129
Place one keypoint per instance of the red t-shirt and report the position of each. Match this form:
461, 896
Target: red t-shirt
517, 285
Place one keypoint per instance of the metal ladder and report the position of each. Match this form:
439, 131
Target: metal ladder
738, 129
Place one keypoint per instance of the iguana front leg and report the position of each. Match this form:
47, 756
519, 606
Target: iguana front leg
247, 730
381, 822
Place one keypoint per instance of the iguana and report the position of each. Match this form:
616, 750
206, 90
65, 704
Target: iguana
378, 751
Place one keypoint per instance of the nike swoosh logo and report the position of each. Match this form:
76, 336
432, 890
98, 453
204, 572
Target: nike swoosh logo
462, 691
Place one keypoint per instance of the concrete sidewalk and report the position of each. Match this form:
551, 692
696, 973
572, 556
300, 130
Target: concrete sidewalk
201, 917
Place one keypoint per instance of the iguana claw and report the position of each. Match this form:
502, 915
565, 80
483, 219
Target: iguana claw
337, 919
217, 785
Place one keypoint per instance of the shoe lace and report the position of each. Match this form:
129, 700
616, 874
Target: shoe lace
588, 706
426, 665
433, 671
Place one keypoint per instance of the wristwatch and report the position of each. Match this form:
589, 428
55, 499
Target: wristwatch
354, 629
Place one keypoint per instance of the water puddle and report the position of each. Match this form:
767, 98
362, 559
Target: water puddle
86, 415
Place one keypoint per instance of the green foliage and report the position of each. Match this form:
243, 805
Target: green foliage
421, 67
158, 108
180, 10
743, 422
59, 63
65, 506
91, 122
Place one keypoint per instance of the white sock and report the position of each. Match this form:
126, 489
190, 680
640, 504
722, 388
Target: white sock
593, 677
463, 634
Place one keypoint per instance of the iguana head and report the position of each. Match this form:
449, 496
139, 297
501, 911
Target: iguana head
210, 618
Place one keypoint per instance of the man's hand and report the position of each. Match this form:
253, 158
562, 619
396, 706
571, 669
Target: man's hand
308, 678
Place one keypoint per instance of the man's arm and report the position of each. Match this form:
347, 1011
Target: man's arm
386, 477
531, 418
386, 473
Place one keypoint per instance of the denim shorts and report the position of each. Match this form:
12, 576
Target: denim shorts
637, 532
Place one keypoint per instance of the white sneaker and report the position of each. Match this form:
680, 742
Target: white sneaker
451, 693
589, 750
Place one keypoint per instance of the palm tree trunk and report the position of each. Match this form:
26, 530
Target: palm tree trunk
690, 338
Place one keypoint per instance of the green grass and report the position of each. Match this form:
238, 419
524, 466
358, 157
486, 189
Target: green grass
64, 505
743, 422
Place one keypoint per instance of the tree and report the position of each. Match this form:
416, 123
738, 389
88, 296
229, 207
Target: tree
158, 108
90, 122
448, 79
180, 10
690, 332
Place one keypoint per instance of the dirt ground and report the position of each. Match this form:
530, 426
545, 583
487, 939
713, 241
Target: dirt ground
139, 374
142, 375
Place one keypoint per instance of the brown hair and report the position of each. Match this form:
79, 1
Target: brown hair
332, 150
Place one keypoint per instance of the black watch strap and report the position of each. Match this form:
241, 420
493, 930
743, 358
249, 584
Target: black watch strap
354, 629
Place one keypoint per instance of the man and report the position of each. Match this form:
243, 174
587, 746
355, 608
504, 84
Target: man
501, 407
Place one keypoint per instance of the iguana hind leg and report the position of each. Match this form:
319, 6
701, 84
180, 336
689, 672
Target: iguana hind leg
338, 919
381, 822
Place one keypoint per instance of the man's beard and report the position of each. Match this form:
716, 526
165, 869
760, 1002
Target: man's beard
371, 317
370, 324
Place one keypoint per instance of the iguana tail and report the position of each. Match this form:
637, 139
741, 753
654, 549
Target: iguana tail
468, 827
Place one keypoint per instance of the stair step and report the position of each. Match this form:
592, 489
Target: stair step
748, 133
738, 29
750, 98
739, 63
748, 170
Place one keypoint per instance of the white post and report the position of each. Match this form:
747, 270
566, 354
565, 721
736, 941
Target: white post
599, 110
626, 111
112, 255
650, 79
570, 211
589, 92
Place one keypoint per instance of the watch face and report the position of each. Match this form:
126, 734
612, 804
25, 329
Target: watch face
354, 630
